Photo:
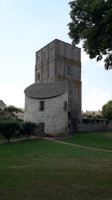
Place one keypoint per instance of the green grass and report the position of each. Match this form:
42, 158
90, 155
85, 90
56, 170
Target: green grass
46, 170
101, 140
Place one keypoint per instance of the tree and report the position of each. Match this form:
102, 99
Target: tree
92, 23
9, 129
12, 109
107, 110
9, 113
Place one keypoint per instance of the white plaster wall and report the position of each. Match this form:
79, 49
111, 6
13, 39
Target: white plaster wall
54, 117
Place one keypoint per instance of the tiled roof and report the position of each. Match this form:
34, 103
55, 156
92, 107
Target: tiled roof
2, 103
46, 90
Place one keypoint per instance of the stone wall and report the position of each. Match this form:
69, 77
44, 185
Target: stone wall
68, 67
54, 116
59, 61
45, 64
84, 125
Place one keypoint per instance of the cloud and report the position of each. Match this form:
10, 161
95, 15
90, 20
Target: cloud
96, 100
12, 94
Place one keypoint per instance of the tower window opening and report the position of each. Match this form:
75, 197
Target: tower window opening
52, 49
41, 105
38, 76
69, 70
65, 105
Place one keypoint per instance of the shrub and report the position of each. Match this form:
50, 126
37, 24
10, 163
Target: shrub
28, 129
9, 129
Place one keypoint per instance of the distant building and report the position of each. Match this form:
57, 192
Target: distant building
56, 64
93, 112
19, 115
2, 104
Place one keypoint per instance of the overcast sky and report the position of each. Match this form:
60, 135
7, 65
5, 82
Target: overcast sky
25, 27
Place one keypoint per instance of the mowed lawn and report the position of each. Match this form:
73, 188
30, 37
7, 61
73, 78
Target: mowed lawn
100, 140
46, 170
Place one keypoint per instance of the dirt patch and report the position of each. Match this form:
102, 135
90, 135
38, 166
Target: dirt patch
108, 135
76, 145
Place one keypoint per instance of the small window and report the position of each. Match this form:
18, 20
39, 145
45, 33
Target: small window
65, 105
41, 105
69, 115
38, 76
69, 70
52, 49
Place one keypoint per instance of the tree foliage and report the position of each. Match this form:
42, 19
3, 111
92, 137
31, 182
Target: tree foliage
8, 113
12, 109
92, 23
107, 110
9, 129
28, 129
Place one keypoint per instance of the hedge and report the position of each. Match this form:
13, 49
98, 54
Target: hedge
9, 128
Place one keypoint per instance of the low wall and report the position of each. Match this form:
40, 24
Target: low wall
91, 125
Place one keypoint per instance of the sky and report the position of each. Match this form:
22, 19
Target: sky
25, 27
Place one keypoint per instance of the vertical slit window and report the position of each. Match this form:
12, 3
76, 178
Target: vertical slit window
41, 105
69, 70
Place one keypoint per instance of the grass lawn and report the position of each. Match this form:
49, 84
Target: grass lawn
46, 170
12, 138
101, 140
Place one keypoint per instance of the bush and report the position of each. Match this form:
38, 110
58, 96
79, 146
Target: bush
28, 129
9, 129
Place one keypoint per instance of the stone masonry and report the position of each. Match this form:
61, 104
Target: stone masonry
46, 105
60, 61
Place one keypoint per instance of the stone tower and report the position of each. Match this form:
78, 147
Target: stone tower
59, 61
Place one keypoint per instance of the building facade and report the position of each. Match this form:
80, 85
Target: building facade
59, 61
57, 89
46, 105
